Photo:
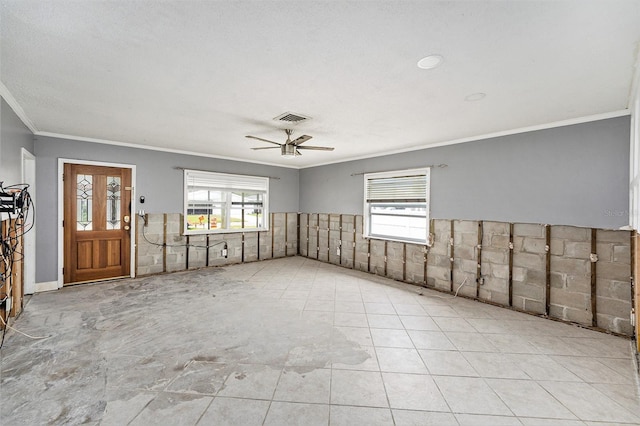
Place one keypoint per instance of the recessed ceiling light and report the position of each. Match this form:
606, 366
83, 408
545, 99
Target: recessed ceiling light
430, 62
475, 97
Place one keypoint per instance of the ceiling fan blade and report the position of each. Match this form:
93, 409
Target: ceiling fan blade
298, 152
265, 147
301, 139
263, 140
317, 148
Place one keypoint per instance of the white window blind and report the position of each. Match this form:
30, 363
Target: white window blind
223, 181
397, 189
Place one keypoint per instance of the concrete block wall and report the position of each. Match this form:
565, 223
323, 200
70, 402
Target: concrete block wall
439, 256
529, 267
534, 268
495, 262
161, 247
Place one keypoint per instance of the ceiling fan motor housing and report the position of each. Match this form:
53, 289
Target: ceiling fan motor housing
288, 150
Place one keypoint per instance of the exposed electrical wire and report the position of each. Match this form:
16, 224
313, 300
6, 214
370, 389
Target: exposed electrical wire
18, 331
448, 297
217, 243
17, 204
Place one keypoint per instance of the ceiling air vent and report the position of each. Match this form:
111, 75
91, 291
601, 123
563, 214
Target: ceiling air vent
290, 117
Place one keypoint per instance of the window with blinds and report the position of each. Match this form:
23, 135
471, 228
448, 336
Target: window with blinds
221, 202
396, 205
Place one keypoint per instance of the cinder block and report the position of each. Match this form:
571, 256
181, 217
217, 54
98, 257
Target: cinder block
577, 250
528, 230
574, 300
613, 307
605, 252
535, 306
613, 271
529, 260
495, 228
613, 236
465, 226
557, 247
497, 241
571, 233
613, 289
534, 245
495, 256
578, 283
622, 254
570, 266
558, 280
535, 292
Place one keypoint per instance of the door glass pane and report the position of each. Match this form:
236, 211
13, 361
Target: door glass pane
84, 194
113, 202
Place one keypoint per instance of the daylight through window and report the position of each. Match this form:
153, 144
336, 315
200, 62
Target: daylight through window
221, 202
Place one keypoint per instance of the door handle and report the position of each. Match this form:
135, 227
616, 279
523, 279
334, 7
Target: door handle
126, 227
126, 219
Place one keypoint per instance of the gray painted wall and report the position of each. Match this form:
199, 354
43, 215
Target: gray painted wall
572, 175
14, 136
157, 179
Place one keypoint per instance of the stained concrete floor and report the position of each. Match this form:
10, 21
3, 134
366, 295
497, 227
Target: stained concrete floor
295, 341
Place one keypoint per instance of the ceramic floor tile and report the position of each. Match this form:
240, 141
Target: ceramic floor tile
591, 370
201, 378
174, 409
413, 309
362, 388
423, 418
348, 360
235, 411
297, 414
304, 386
495, 365
431, 340
349, 416
467, 395
348, 296
484, 420
384, 321
588, 403
528, 399
413, 322
400, 360
391, 338
454, 324
440, 311
626, 395
470, 342
512, 344
447, 363
489, 325
122, 406
531, 421
542, 367
251, 381
413, 392
319, 305
379, 308
352, 307
345, 319
358, 335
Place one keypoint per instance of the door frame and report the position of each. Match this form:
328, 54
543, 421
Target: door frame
61, 163
29, 243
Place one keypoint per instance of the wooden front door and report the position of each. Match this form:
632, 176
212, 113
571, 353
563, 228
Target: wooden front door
97, 221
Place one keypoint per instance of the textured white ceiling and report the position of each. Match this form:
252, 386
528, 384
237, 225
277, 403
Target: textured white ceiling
199, 76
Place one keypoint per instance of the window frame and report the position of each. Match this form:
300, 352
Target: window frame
227, 204
367, 213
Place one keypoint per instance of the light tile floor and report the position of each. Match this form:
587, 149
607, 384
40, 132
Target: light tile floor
295, 341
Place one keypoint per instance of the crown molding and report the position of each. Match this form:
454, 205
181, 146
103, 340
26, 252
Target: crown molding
17, 109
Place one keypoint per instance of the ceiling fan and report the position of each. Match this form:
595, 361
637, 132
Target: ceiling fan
290, 148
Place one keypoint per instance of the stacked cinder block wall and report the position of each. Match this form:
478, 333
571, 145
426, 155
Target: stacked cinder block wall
574, 274
162, 247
